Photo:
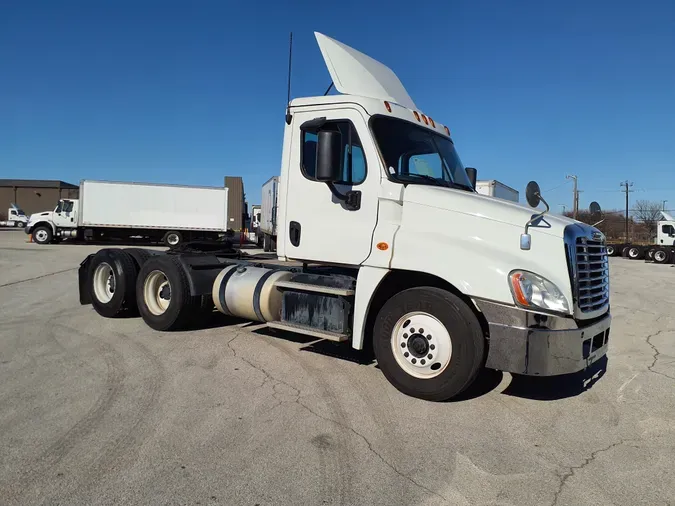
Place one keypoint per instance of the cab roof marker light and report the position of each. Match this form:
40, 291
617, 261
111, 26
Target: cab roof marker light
387, 105
432, 122
417, 116
447, 131
426, 121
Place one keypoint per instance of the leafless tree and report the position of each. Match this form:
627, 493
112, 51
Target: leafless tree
648, 212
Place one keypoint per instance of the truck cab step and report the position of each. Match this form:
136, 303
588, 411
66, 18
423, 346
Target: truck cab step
309, 331
311, 287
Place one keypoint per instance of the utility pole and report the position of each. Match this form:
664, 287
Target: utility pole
564, 208
626, 185
664, 204
576, 196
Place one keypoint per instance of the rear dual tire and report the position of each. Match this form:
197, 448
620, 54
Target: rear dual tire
112, 283
428, 343
662, 256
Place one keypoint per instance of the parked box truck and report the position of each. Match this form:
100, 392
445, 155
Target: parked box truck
494, 188
438, 280
106, 210
268, 214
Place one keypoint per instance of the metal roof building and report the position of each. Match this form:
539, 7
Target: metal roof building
34, 195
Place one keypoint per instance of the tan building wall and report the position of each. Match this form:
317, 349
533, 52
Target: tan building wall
33, 199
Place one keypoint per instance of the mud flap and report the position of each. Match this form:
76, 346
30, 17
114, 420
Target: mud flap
83, 280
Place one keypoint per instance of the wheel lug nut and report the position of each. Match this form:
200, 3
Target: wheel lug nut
406, 354
405, 335
402, 345
430, 356
421, 331
414, 361
423, 361
412, 330
432, 347
428, 337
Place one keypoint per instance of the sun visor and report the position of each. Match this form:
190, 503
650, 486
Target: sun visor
355, 73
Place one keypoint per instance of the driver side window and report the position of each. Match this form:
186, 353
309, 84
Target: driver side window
353, 173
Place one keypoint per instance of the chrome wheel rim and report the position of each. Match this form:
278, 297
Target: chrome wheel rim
41, 235
660, 256
172, 239
157, 292
421, 345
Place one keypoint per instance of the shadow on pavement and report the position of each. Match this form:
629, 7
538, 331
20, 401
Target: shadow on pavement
551, 388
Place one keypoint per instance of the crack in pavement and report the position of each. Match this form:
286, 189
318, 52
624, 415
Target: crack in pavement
38, 277
572, 470
297, 400
656, 355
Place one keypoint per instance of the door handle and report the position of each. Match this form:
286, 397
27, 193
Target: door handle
294, 230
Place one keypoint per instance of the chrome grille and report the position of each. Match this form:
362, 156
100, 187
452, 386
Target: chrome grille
592, 274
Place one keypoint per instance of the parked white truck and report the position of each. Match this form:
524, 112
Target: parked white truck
495, 188
16, 218
661, 252
268, 214
438, 280
114, 210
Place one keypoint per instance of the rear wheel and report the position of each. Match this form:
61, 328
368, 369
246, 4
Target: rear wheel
266, 242
163, 294
428, 343
649, 255
624, 251
635, 252
112, 282
610, 250
172, 239
662, 256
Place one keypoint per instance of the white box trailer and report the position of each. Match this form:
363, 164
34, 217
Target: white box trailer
268, 213
494, 188
109, 209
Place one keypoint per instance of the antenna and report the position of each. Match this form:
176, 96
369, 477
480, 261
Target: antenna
288, 94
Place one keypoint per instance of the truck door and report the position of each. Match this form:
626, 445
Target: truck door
65, 215
318, 226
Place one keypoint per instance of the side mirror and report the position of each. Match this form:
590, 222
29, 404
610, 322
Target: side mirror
533, 194
329, 156
472, 174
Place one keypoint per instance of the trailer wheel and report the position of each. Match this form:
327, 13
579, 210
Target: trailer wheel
624, 251
112, 282
635, 252
43, 235
163, 294
266, 242
172, 239
661, 256
610, 250
428, 343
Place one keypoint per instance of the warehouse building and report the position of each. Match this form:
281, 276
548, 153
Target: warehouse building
34, 195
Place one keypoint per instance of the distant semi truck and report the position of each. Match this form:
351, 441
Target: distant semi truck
495, 188
268, 214
112, 210
15, 217
661, 252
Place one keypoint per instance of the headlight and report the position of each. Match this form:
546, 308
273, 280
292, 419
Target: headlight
534, 292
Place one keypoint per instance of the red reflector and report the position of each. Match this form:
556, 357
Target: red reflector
386, 104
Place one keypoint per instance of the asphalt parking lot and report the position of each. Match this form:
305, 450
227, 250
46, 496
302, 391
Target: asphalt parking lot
99, 411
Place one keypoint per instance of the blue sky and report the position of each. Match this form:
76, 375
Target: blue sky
188, 92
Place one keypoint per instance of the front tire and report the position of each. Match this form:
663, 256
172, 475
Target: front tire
43, 235
428, 343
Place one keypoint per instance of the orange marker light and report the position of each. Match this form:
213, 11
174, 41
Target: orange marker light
518, 289
426, 122
417, 116
382, 246
432, 122
387, 105
447, 131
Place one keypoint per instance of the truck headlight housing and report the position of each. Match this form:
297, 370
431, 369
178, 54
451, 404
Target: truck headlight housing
532, 291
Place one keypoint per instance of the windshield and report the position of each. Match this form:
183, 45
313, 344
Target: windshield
415, 154
59, 208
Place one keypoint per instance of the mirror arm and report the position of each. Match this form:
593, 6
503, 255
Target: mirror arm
526, 239
538, 216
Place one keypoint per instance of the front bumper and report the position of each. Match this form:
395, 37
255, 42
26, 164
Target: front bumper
533, 344
28, 228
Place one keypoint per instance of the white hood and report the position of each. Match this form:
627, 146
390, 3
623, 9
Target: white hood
355, 73
483, 206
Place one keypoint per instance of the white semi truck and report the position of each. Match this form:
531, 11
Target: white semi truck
438, 280
268, 214
661, 252
495, 188
16, 218
114, 210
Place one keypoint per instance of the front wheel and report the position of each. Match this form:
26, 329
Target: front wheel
42, 235
428, 343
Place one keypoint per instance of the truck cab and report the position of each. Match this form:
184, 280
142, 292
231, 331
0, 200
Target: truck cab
382, 241
44, 227
16, 217
665, 234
